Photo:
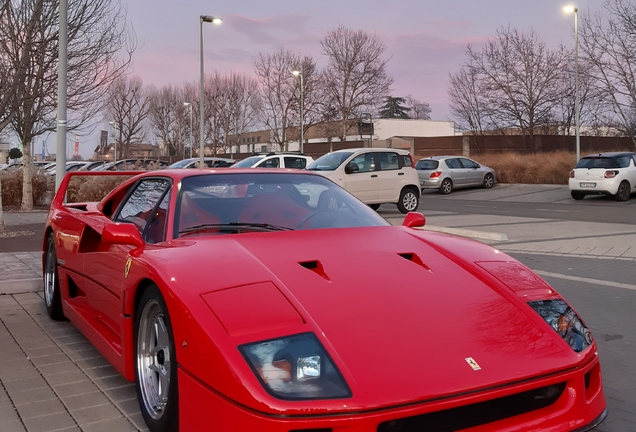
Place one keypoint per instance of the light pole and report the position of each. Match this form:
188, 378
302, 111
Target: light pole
60, 145
297, 73
189, 105
577, 125
112, 125
214, 20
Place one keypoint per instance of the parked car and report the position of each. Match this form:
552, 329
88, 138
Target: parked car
446, 173
275, 160
225, 292
210, 162
373, 175
132, 165
70, 167
604, 173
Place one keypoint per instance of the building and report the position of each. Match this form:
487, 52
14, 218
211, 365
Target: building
135, 150
4, 153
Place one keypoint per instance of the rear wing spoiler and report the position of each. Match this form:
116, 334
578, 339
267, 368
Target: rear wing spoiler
60, 196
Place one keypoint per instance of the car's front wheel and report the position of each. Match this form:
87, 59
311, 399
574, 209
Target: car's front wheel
446, 187
409, 200
52, 295
577, 195
489, 181
624, 190
156, 363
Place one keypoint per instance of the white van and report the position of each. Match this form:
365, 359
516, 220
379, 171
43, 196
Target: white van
373, 175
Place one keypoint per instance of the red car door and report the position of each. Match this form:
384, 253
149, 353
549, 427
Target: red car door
107, 269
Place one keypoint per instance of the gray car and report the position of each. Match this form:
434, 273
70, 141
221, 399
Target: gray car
446, 173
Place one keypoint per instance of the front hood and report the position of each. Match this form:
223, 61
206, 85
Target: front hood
402, 321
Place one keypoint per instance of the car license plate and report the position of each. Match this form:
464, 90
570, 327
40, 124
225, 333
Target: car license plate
587, 184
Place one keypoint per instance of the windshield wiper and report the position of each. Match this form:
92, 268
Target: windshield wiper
236, 226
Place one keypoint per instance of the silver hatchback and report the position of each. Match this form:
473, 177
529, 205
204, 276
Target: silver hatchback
446, 173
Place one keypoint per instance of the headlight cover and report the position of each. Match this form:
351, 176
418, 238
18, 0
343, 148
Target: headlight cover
564, 321
295, 368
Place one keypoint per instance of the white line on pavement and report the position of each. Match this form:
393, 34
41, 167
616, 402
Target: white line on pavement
586, 280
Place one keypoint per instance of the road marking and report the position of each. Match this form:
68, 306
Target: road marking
480, 206
550, 210
586, 280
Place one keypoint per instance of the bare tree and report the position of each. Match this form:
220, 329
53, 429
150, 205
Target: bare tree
608, 40
312, 97
128, 107
514, 81
418, 110
278, 88
97, 35
355, 77
245, 105
169, 117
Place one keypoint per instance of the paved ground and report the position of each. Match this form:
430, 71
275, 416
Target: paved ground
51, 378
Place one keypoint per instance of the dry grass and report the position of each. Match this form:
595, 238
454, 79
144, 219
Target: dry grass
539, 168
42, 184
93, 188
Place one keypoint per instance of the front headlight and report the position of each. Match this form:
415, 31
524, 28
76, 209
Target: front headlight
564, 321
295, 367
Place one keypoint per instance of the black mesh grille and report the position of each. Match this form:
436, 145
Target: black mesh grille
477, 414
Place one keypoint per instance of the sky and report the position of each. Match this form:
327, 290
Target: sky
426, 40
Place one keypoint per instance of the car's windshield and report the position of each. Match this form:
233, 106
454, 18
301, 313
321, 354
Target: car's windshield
426, 164
329, 162
180, 164
600, 162
247, 163
235, 203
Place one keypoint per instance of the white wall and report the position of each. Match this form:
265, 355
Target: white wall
387, 128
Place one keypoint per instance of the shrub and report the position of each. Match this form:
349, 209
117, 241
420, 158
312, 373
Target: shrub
42, 184
93, 188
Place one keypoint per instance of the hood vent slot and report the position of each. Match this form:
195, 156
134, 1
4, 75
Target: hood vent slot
316, 267
414, 259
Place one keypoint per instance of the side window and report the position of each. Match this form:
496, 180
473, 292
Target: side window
389, 161
295, 162
405, 161
623, 162
139, 206
269, 163
156, 230
453, 163
468, 163
365, 162
634, 157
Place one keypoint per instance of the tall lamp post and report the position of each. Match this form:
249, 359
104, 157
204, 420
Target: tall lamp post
577, 125
213, 20
112, 126
189, 105
297, 73
60, 144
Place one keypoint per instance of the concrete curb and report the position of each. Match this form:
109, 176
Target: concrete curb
481, 235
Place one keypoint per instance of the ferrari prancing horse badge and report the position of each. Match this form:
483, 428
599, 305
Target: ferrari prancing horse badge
473, 364
127, 269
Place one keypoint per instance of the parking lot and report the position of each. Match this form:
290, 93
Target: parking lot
52, 379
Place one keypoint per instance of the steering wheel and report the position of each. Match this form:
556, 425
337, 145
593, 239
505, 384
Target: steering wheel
311, 215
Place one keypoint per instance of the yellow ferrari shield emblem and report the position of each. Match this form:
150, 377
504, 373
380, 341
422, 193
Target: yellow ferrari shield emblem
127, 269
473, 364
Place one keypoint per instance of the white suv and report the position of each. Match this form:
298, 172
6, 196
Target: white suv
374, 175
275, 160
604, 173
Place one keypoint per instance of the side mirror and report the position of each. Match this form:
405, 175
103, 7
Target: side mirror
414, 220
477, 165
351, 168
122, 234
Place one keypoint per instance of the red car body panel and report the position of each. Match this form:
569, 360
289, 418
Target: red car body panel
400, 338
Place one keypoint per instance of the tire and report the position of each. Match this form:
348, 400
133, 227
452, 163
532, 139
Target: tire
156, 363
446, 187
374, 206
52, 295
624, 190
489, 181
409, 200
577, 195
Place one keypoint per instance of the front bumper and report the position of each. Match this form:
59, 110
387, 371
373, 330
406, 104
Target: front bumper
597, 186
580, 407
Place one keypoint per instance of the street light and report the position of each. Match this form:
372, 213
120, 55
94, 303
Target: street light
112, 125
297, 73
213, 20
577, 125
189, 105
